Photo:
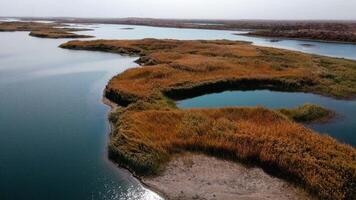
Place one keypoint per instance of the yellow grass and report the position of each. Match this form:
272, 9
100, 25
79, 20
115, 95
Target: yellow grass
308, 113
145, 140
186, 64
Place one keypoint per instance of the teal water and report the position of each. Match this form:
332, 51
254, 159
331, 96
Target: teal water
343, 127
53, 125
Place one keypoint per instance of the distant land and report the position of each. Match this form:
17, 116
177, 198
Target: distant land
322, 30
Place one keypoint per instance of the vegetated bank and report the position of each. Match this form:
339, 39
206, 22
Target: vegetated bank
149, 129
43, 30
308, 113
339, 35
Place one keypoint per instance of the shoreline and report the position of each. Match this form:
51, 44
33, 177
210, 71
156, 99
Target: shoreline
112, 105
158, 183
291, 38
227, 25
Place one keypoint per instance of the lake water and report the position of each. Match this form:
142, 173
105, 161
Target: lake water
53, 125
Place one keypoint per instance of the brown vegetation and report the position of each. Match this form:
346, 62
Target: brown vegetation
43, 30
144, 140
151, 129
310, 34
308, 113
183, 68
24, 26
57, 33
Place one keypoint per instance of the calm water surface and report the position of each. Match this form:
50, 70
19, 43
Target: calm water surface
53, 125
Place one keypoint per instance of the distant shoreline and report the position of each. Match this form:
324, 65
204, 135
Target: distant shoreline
333, 31
280, 38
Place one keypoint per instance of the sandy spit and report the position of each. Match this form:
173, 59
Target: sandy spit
200, 177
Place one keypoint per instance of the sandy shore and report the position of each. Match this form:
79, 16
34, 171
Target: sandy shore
193, 176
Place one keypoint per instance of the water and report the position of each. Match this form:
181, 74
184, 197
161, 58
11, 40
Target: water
53, 125
342, 127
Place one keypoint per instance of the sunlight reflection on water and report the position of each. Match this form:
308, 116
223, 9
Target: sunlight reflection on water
132, 193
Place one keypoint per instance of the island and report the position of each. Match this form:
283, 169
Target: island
150, 135
308, 113
43, 30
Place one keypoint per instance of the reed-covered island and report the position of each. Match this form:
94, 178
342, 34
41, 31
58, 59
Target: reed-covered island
43, 30
148, 128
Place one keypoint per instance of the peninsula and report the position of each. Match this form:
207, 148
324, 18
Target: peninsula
149, 130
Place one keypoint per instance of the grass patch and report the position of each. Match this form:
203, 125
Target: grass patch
308, 113
144, 141
178, 64
57, 33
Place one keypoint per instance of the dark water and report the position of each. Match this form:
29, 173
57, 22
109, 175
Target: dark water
343, 127
53, 125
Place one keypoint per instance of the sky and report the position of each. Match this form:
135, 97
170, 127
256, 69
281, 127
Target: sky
186, 9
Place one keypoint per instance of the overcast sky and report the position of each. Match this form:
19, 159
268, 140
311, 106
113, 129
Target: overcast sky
199, 9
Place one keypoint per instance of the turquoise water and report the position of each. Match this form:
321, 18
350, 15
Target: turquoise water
53, 125
343, 127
